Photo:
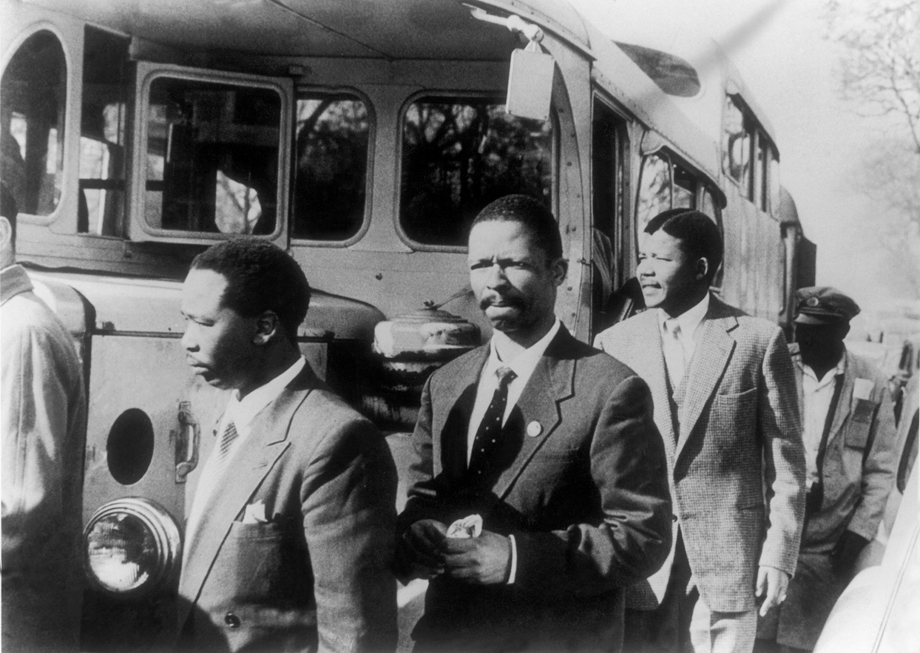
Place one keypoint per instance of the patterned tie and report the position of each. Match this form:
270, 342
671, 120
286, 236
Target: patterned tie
674, 352
491, 425
226, 443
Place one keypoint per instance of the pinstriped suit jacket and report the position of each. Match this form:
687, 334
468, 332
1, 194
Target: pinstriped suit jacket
737, 466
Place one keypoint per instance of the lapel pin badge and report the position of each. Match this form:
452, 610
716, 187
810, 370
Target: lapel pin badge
534, 429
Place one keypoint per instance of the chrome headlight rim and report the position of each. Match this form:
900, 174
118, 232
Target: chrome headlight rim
166, 536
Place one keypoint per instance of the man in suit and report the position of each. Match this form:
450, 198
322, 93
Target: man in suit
289, 540
553, 444
850, 438
724, 393
43, 406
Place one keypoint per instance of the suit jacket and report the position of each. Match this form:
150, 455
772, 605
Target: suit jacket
859, 459
857, 472
737, 466
43, 433
584, 494
316, 575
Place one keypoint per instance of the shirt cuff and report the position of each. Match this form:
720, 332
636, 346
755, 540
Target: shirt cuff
513, 573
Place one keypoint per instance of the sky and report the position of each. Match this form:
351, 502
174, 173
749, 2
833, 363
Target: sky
793, 71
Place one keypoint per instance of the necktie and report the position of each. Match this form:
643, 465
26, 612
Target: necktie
491, 425
674, 352
226, 443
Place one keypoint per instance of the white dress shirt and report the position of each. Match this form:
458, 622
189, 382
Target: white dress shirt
677, 355
523, 365
241, 412
817, 395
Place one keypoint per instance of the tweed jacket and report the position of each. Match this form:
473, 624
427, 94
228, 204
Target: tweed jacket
43, 432
585, 496
315, 575
859, 460
736, 466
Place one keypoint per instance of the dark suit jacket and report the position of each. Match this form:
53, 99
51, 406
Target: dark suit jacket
737, 466
585, 496
317, 575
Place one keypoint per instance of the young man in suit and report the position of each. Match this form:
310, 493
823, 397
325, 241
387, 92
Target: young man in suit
552, 444
724, 393
289, 539
849, 452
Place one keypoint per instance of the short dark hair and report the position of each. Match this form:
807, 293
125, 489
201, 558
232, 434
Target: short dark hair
260, 277
533, 215
8, 208
698, 234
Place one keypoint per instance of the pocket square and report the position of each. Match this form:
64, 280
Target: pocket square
466, 528
255, 513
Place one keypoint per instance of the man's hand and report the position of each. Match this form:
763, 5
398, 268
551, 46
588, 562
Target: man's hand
418, 553
483, 560
774, 582
845, 552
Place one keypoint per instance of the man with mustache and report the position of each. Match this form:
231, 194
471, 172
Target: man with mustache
726, 407
289, 540
552, 444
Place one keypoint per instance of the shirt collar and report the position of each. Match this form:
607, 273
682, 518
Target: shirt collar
243, 411
839, 369
524, 363
13, 281
689, 320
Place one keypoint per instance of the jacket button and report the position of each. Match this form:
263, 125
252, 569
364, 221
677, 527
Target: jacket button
674, 518
232, 620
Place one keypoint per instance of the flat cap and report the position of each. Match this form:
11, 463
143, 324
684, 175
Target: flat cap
823, 305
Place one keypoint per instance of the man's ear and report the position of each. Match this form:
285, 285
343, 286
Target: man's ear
268, 326
560, 268
702, 268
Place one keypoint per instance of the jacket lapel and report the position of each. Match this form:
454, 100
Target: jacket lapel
713, 351
257, 455
652, 369
844, 401
551, 383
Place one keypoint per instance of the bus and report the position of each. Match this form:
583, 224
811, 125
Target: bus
362, 138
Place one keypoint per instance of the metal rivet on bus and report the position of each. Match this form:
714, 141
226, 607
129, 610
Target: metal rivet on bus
534, 429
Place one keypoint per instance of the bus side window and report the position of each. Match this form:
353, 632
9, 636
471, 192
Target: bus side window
459, 154
330, 171
736, 145
34, 93
212, 157
654, 190
101, 208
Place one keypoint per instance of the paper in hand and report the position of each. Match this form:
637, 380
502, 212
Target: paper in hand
466, 528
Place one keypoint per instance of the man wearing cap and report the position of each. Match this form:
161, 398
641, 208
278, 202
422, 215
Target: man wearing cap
849, 434
553, 445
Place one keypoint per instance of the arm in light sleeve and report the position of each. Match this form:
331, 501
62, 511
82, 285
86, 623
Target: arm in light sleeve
878, 467
348, 503
783, 455
633, 538
42, 393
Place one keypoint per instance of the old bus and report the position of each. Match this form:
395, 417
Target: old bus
362, 137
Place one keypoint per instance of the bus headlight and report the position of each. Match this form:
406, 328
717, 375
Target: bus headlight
131, 548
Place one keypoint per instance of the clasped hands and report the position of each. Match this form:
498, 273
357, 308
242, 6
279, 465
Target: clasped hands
426, 550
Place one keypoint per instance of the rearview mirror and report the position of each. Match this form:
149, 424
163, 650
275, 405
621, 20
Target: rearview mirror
530, 83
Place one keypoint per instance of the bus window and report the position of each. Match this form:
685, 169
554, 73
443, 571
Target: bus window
101, 205
212, 157
34, 92
684, 188
760, 172
461, 153
736, 145
654, 189
708, 205
330, 173
773, 181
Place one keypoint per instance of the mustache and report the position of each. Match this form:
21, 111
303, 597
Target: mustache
511, 302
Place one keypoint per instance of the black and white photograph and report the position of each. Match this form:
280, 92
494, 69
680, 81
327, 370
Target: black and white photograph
460, 326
